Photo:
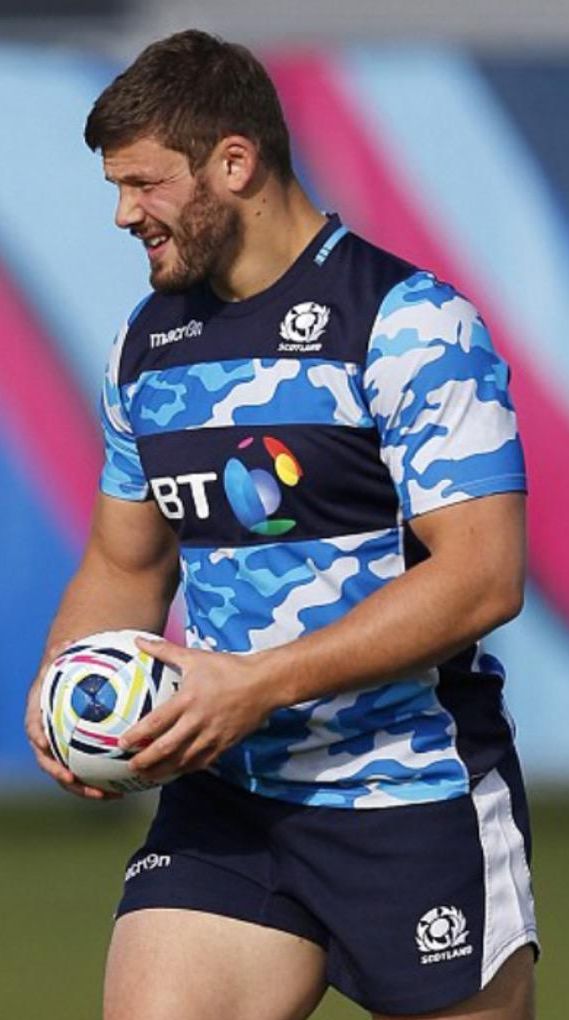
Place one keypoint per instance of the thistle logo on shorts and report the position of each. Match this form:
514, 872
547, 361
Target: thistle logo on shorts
442, 934
302, 327
255, 494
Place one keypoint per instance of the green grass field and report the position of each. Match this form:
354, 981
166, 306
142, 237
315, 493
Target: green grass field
60, 875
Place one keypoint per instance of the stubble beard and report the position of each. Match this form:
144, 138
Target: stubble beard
207, 238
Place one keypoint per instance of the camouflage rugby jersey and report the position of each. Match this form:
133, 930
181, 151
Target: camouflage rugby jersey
289, 440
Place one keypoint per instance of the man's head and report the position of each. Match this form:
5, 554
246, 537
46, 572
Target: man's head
183, 132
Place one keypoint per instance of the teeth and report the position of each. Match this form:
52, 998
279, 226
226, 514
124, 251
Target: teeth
153, 242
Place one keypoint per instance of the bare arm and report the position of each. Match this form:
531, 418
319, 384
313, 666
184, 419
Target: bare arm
472, 583
127, 578
128, 574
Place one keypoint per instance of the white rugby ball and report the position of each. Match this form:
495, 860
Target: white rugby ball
95, 690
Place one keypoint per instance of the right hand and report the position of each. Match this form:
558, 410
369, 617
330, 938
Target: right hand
40, 744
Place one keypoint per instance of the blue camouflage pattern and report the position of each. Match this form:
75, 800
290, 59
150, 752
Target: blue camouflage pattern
256, 597
372, 748
123, 475
439, 395
435, 390
253, 391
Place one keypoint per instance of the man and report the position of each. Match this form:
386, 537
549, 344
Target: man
319, 437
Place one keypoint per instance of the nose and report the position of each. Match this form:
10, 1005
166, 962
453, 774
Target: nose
129, 212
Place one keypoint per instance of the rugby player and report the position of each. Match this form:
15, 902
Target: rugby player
317, 438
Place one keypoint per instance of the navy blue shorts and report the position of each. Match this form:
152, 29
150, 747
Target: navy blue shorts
416, 907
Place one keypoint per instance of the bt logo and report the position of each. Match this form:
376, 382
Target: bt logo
254, 495
166, 493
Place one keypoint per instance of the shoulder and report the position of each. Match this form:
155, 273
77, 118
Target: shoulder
403, 291
421, 310
152, 310
401, 306
370, 270
157, 321
357, 277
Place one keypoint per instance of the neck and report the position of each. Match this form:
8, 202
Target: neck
276, 226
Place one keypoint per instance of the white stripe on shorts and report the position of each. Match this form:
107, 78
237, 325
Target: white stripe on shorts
510, 917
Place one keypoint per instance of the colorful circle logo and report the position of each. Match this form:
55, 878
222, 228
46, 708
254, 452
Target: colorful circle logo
254, 495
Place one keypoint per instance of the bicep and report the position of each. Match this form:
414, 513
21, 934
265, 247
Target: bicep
132, 537
482, 538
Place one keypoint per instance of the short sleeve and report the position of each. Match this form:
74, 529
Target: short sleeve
122, 474
438, 393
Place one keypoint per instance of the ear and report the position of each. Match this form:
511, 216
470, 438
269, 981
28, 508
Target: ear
236, 159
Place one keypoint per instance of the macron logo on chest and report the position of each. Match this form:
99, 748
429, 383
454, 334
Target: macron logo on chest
189, 331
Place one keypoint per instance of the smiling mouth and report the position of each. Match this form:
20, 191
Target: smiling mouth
154, 243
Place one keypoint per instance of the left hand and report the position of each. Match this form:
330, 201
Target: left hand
221, 699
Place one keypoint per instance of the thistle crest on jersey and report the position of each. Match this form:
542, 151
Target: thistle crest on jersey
305, 323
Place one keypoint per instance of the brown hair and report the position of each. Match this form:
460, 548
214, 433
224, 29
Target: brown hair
189, 91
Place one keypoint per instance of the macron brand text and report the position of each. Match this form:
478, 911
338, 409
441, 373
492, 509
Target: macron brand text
148, 863
191, 329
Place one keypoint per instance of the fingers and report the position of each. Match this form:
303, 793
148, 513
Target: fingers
166, 741
36, 735
34, 729
165, 744
173, 753
66, 779
49, 764
166, 651
192, 728
152, 726
158, 737
88, 792
46, 760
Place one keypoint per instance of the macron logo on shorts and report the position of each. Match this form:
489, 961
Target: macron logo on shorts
148, 863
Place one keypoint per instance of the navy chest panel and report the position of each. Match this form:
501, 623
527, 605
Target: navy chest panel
310, 324
325, 311
249, 418
246, 485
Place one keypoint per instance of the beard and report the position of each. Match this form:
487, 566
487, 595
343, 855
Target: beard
206, 238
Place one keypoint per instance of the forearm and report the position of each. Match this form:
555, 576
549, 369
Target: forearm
127, 579
415, 622
101, 597
472, 582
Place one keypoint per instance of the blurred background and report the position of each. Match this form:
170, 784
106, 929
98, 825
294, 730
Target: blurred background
438, 130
